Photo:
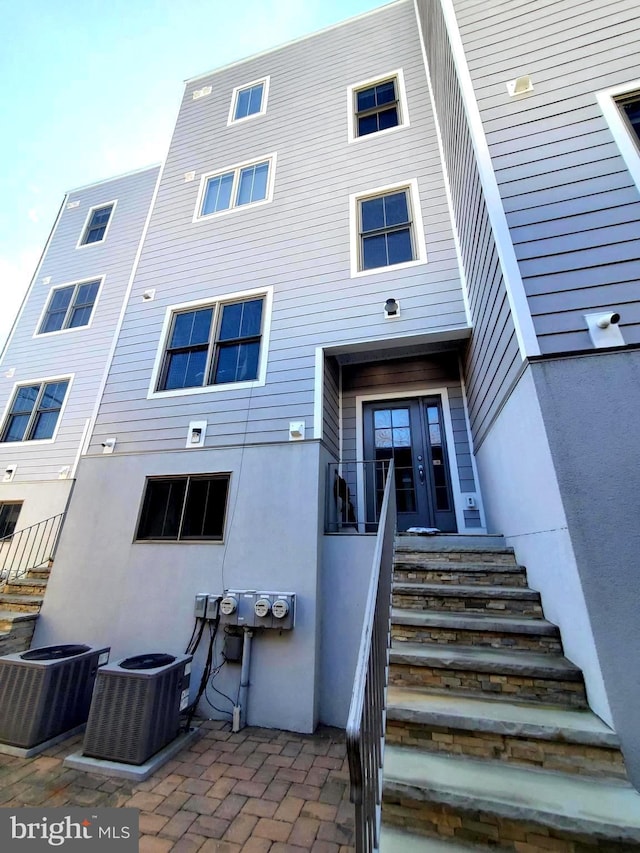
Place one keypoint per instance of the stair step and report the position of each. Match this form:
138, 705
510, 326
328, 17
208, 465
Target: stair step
25, 586
468, 574
475, 599
21, 603
393, 840
482, 629
42, 572
11, 617
524, 676
492, 802
552, 738
453, 543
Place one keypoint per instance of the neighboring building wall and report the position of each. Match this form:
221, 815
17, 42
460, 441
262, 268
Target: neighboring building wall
492, 360
590, 408
79, 353
570, 201
106, 589
299, 243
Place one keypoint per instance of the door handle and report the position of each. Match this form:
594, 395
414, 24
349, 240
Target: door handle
421, 473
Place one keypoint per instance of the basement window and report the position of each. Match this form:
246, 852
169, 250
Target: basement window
190, 508
9, 513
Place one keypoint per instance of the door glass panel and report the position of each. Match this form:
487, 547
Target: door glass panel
438, 459
400, 417
401, 437
382, 418
392, 440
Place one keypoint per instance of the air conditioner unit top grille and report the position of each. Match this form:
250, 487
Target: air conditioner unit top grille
54, 652
149, 661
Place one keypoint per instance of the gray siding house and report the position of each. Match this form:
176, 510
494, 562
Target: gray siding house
413, 235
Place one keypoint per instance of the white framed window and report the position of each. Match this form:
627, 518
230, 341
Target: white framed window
249, 101
35, 409
386, 229
246, 184
621, 109
69, 306
97, 224
377, 106
215, 344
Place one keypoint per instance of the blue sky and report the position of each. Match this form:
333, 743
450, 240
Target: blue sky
91, 89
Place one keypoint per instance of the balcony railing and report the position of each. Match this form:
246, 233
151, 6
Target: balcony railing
30, 548
367, 715
354, 496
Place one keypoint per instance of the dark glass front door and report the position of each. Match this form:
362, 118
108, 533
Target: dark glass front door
411, 432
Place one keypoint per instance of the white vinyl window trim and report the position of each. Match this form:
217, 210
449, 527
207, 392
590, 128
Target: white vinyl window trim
264, 82
112, 204
623, 135
265, 293
236, 169
65, 377
417, 228
403, 107
76, 284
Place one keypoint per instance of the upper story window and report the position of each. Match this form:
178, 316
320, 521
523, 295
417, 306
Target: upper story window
69, 307
621, 109
98, 220
34, 411
238, 186
249, 100
184, 508
387, 230
208, 345
630, 108
377, 105
9, 513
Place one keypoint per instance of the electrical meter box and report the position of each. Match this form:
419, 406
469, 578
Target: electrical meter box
251, 609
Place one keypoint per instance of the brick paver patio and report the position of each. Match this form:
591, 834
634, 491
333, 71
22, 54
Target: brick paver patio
255, 791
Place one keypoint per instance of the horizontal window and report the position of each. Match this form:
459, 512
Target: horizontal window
213, 344
9, 513
236, 187
184, 508
249, 100
34, 411
97, 224
69, 307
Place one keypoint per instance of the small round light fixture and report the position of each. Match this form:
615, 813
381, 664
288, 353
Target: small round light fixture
391, 308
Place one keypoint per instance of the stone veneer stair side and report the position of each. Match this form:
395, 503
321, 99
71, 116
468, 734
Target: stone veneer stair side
482, 703
20, 603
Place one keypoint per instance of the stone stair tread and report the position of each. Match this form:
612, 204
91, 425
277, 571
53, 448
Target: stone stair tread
605, 810
499, 717
16, 616
393, 839
473, 622
520, 663
27, 581
448, 590
452, 542
433, 566
15, 598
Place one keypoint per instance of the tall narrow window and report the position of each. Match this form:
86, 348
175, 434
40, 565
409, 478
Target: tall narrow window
97, 225
69, 307
34, 411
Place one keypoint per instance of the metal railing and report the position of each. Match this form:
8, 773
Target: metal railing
367, 714
29, 548
354, 496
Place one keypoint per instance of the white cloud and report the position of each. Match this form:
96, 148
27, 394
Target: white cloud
33, 215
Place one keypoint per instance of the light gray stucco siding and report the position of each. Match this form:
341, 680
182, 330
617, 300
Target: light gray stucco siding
299, 243
493, 360
590, 406
571, 203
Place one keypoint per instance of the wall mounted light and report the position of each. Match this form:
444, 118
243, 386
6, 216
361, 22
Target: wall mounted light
604, 329
9, 473
108, 445
196, 434
391, 308
520, 86
296, 430
149, 295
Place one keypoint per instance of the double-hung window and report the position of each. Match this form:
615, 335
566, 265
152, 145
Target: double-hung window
237, 187
377, 105
621, 109
184, 508
97, 223
213, 345
249, 100
69, 307
9, 513
630, 108
34, 411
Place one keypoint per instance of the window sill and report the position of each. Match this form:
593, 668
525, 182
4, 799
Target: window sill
391, 268
206, 389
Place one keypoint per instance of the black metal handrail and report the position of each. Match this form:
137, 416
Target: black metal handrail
29, 548
367, 714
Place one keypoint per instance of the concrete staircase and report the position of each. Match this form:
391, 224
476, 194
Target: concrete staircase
490, 741
20, 602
